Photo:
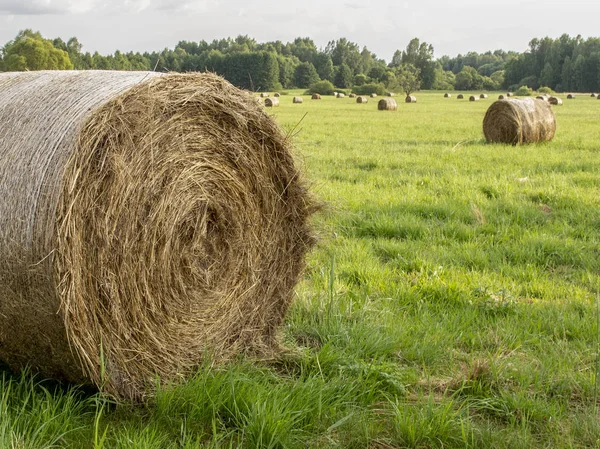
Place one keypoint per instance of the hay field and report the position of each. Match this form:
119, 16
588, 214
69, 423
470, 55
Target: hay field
451, 302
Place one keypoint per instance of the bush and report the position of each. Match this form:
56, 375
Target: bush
322, 88
524, 91
546, 90
368, 89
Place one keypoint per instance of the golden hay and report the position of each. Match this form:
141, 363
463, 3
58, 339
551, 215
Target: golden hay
571, 97
518, 121
297, 100
483, 96
148, 220
315, 97
460, 97
447, 95
387, 104
272, 102
473, 98
555, 101
362, 99
410, 99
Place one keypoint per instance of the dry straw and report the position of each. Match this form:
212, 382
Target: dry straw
555, 101
315, 97
410, 99
518, 121
387, 104
297, 100
272, 102
147, 221
362, 99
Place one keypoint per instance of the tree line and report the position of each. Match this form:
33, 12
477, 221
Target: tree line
562, 64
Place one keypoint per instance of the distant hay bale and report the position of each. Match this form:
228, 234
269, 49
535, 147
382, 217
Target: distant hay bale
473, 98
460, 97
593, 95
518, 121
542, 97
148, 221
272, 102
340, 95
352, 95
373, 95
390, 94
276, 94
571, 97
264, 94
335, 94
447, 95
483, 96
410, 99
555, 101
500, 97
387, 104
315, 97
509, 94
297, 100
362, 99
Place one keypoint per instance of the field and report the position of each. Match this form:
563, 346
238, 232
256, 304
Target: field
452, 301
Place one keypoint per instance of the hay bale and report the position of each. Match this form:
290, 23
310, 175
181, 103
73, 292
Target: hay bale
410, 99
500, 97
362, 99
373, 95
483, 96
509, 94
352, 95
447, 95
315, 97
297, 100
264, 95
571, 97
276, 94
390, 94
387, 104
593, 95
555, 101
146, 219
335, 94
340, 95
460, 97
518, 121
542, 97
473, 98
272, 102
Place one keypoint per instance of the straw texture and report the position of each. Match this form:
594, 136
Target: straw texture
147, 220
518, 121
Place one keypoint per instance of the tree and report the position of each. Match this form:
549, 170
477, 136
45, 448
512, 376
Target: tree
420, 55
30, 51
343, 76
305, 75
407, 78
324, 66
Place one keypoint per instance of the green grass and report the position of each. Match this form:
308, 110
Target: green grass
451, 301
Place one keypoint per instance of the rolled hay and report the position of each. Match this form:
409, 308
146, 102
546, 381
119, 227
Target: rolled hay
387, 104
473, 98
335, 94
483, 96
460, 97
352, 95
272, 102
571, 97
391, 94
277, 94
340, 95
362, 99
148, 220
315, 97
297, 100
410, 99
447, 95
555, 101
593, 95
500, 97
373, 95
264, 95
518, 121
542, 97
509, 94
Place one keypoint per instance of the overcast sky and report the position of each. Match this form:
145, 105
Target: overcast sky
452, 27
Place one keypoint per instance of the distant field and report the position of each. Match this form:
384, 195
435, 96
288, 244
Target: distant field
452, 301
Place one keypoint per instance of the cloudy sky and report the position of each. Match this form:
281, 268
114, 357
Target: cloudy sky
383, 26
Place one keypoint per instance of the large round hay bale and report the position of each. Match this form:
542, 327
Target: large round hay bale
387, 104
473, 98
571, 97
272, 102
460, 97
362, 99
447, 95
518, 121
483, 96
373, 95
297, 100
315, 97
410, 99
148, 220
555, 101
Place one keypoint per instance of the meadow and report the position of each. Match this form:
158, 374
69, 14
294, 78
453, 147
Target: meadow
452, 300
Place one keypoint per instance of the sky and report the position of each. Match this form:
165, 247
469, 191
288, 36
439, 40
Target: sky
452, 27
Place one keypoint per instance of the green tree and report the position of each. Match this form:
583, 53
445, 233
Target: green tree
305, 75
30, 51
343, 76
324, 66
407, 78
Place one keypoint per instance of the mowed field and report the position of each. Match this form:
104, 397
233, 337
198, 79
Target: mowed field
451, 302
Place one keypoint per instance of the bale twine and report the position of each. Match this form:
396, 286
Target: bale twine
297, 100
148, 220
447, 95
571, 97
518, 121
264, 95
276, 94
362, 99
460, 97
272, 102
387, 104
555, 101
473, 98
315, 97
340, 95
500, 97
373, 95
483, 96
410, 99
